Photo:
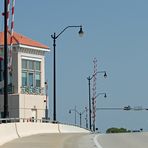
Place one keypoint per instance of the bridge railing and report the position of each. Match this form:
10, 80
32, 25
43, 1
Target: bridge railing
12, 120
30, 120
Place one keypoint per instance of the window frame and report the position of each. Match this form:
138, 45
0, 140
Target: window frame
31, 69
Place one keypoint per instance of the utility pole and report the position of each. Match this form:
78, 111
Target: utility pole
94, 94
5, 61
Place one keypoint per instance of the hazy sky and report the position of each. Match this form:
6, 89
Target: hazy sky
116, 33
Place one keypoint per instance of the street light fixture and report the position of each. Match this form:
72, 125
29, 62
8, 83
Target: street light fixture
105, 95
89, 98
81, 32
75, 114
6, 113
93, 99
105, 75
80, 114
54, 37
46, 101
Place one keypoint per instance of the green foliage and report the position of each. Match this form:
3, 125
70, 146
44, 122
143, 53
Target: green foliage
117, 130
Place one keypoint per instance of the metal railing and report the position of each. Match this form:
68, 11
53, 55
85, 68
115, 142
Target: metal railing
10, 89
25, 90
33, 90
31, 120
13, 120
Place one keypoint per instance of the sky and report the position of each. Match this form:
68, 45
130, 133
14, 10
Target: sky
115, 33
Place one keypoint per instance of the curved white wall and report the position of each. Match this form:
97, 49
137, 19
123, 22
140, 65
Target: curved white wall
10, 131
7, 132
71, 129
26, 129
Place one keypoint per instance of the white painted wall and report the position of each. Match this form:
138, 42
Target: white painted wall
11, 131
28, 103
65, 129
7, 133
23, 105
26, 129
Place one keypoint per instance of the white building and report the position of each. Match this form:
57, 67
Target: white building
27, 98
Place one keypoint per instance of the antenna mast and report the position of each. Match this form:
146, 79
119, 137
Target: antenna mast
94, 93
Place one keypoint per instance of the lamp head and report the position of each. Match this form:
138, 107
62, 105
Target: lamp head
69, 111
105, 96
81, 32
105, 75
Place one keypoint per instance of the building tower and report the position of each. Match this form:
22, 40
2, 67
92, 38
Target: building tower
26, 84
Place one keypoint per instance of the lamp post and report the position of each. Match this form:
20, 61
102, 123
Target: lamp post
86, 118
46, 107
93, 99
54, 37
5, 62
80, 114
89, 96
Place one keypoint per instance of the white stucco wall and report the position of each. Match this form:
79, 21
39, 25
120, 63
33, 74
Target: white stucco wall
22, 105
12, 131
25, 105
30, 103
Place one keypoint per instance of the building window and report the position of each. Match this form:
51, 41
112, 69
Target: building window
24, 64
38, 65
24, 78
31, 76
37, 79
31, 65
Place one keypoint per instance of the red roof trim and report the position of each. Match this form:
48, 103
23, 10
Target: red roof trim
21, 39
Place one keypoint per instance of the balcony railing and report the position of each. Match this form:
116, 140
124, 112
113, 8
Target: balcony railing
33, 90
10, 88
25, 90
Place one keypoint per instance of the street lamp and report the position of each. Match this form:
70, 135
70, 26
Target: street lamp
86, 118
89, 90
54, 37
75, 110
105, 96
46, 108
93, 99
6, 114
80, 114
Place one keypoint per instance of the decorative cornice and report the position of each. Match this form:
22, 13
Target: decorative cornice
28, 49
